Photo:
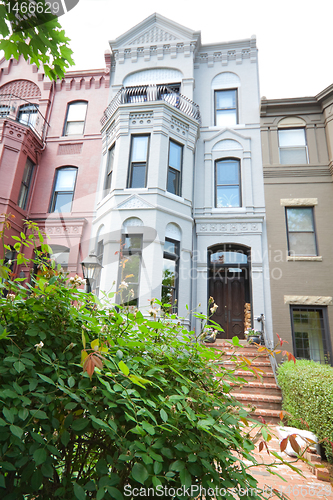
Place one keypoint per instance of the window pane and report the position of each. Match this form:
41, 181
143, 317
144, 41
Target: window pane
226, 117
23, 196
63, 202
132, 266
228, 196
226, 99
77, 112
110, 160
138, 176
170, 247
227, 172
175, 155
309, 334
173, 181
74, 128
132, 242
139, 148
65, 180
220, 257
300, 219
293, 156
294, 137
302, 244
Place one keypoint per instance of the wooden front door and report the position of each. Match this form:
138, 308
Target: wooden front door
228, 293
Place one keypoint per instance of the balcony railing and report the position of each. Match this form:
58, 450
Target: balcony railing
152, 93
18, 109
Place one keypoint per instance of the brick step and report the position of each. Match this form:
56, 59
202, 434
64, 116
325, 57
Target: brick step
260, 401
250, 376
270, 416
269, 388
264, 365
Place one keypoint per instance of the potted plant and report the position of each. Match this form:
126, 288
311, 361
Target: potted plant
253, 336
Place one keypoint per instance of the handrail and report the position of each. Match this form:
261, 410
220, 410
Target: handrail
11, 103
152, 93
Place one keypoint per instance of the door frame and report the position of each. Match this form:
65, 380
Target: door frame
246, 266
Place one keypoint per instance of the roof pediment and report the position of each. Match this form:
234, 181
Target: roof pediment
156, 30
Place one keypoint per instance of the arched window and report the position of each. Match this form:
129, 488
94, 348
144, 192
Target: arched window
63, 189
225, 86
292, 141
75, 118
227, 183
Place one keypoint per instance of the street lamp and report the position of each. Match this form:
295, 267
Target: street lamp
90, 268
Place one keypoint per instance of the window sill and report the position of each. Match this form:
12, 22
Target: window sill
309, 259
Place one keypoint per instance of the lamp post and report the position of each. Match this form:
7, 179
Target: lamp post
90, 268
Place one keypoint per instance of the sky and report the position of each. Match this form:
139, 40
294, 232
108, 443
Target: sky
294, 37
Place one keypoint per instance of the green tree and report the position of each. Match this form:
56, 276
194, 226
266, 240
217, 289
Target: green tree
37, 36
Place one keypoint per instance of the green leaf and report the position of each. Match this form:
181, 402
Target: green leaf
115, 493
23, 413
65, 437
100, 494
80, 424
8, 414
39, 456
19, 366
40, 414
2, 481
148, 427
79, 492
124, 368
71, 381
157, 467
46, 379
139, 473
185, 478
164, 415
178, 465
17, 431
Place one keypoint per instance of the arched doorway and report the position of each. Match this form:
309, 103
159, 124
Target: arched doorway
229, 285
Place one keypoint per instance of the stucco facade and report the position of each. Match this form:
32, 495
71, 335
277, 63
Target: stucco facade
201, 102
297, 160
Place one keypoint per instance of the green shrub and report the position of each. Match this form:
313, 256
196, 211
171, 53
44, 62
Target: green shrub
307, 389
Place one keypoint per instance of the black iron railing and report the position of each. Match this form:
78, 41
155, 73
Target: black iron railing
16, 108
151, 93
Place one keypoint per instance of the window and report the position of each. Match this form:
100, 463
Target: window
226, 107
175, 168
292, 146
130, 269
139, 161
170, 275
75, 120
109, 170
63, 191
28, 114
301, 231
4, 111
227, 175
310, 333
25, 184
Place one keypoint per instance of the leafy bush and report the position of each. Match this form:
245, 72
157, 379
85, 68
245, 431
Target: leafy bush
96, 401
307, 389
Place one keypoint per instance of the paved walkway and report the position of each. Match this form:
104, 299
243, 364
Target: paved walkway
295, 486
